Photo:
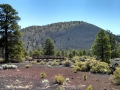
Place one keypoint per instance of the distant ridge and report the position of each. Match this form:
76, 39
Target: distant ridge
66, 35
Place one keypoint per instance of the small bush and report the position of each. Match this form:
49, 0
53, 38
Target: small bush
27, 66
116, 77
100, 67
34, 62
59, 79
79, 63
67, 63
54, 63
42, 63
67, 79
43, 74
83, 68
2, 60
89, 87
85, 77
60, 88
76, 68
6, 66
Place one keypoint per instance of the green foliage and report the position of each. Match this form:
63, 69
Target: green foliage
48, 47
80, 53
71, 55
100, 67
76, 68
42, 63
1, 60
36, 52
93, 66
82, 66
113, 43
58, 53
101, 47
76, 58
43, 74
84, 77
84, 52
60, 88
116, 77
118, 51
54, 63
74, 52
34, 62
89, 87
27, 66
67, 63
10, 32
59, 79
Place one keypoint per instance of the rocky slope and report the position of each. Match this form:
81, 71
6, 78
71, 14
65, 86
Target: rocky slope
65, 35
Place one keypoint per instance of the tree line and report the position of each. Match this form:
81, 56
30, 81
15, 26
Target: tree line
104, 47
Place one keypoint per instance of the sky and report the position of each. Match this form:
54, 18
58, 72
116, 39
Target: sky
102, 13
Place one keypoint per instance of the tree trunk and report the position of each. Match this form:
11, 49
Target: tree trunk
6, 44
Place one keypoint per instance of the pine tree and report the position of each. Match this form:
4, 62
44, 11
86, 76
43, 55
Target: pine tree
101, 47
58, 53
84, 52
48, 47
113, 43
9, 30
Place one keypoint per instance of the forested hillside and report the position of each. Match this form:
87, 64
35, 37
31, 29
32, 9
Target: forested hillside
66, 35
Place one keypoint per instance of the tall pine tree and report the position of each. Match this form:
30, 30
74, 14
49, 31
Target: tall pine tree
9, 31
101, 47
113, 43
48, 47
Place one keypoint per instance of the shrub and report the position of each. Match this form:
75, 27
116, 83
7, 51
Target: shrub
100, 67
43, 74
42, 63
84, 77
17, 60
34, 62
27, 66
67, 63
2, 60
76, 58
12, 66
6, 66
60, 88
54, 63
82, 66
89, 87
59, 79
67, 79
116, 77
76, 68
79, 64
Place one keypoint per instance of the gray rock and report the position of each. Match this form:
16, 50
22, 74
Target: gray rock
1, 68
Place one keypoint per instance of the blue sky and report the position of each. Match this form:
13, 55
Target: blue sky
102, 13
